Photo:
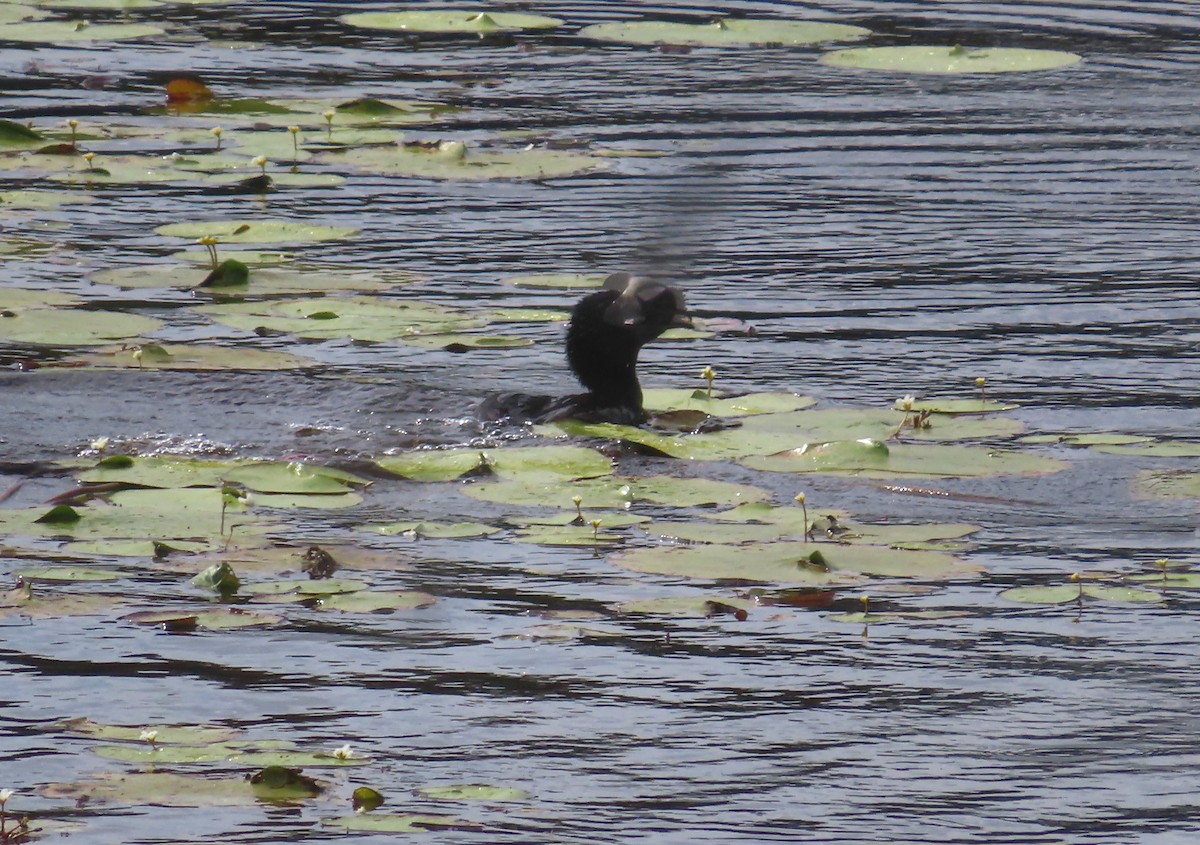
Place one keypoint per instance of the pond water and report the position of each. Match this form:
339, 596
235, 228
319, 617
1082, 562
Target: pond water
884, 234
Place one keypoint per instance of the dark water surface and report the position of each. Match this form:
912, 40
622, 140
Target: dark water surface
885, 234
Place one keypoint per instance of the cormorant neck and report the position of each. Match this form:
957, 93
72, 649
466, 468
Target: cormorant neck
603, 356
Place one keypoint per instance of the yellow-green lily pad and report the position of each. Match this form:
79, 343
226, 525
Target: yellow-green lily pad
617, 492
473, 792
24, 299
453, 160
461, 342
1157, 449
431, 530
67, 574
688, 606
558, 280
170, 356
1062, 593
793, 563
72, 327
527, 463
42, 199
77, 31
361, 318
213, 619
166, 734
1169, 485
451, 20
814, 426
257, 231
725, 32
928, 59
165, 789
405, 823
566, 535
875, 459
376, 601
659, 399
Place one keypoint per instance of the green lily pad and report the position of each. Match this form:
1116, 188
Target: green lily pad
136, 548
1094, 439
406, 823
688, 606
359, 318
617, 492
875, 459
959, 406
1169, 580
258, 231
67, 573
251, 257
526, 463
375, 601
1168, 484
1062, 593
169, 356
728, 444
164, 789
263, 476
25, 299
164, 734
100, 4
473, 792
558, 280
566, 535
452, 160
458, 342
658, 399
793, 563
724, 32
12, 12
450, 20
814, 426
213, 619
306, 587
1158, 449
426, 530
63, 327
922, 59
66, 32
41, 199
609, 519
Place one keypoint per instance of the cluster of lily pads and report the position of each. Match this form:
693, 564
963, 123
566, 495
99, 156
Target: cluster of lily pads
28, 23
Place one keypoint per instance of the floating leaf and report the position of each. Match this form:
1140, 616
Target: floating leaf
1170, 485
683, 606
39, 199
566, 535
793, 562
738, 406
452, 160
465, 342
617, 492
65, 32
257, 231
1086, 439
165, 734
212, 619
63, 327
428, 530
558, 280
1062, 593
921, 59
189, 357
1157, 449
219, 578
67, 573
450, 20
374, 601
306, 587
526, 463
815, 426
874, 459
355, 317
724, 32
473, 792
407, 823
1169, 580
172, 790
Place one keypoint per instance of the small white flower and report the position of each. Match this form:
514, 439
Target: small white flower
148, 736
5, 794
259, 160
906, 402
343, 753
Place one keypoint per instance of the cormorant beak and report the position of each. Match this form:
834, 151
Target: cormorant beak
682, 320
